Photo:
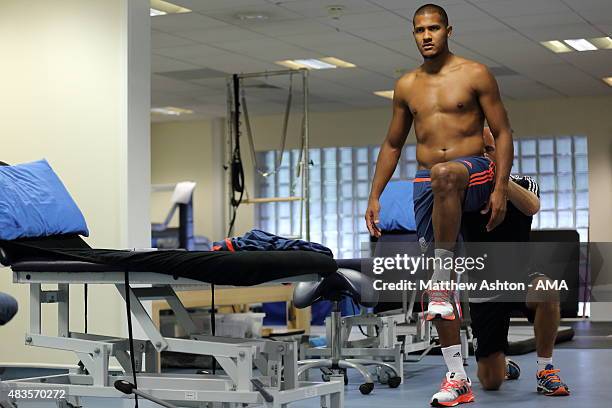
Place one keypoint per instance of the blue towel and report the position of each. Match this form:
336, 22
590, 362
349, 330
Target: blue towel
258, 240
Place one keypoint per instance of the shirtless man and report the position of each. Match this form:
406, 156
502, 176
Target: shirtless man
448, 98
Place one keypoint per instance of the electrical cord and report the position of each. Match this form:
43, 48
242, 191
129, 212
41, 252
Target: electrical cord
130, 332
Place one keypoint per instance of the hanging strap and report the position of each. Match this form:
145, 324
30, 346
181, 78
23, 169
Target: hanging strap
247, 122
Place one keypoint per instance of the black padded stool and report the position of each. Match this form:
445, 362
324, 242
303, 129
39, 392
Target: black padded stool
344, 283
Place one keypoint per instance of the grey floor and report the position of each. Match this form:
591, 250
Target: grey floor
585, 369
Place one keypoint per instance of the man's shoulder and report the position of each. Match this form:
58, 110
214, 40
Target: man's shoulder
472, 67
408, 77
403, 84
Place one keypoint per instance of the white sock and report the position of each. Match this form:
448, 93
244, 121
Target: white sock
443, 259
454, 360
543, 362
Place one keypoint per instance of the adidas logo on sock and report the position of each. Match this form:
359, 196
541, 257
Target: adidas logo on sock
457, 354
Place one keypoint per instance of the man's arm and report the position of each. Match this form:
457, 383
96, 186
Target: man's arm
389, 154
524, 193
497, 119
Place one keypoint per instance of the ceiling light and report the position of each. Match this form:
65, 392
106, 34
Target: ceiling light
602, 43
556, 46
313, 63
155, 12
161, 7
290, 64
171, 110
252, 17
305, 63
608, 80
580, 44
338, 62
384, 94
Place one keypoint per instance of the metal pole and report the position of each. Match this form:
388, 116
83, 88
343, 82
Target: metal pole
306, 167
230, 150
271, 73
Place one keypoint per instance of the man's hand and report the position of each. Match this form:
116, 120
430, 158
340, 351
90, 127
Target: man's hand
497, 205
371, 217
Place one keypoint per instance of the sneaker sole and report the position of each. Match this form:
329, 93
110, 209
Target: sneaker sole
462, 399
559, 392
438, 316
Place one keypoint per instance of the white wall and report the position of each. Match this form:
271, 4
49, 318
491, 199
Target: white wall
66, 85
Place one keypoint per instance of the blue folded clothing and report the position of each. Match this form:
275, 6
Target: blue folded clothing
258, 240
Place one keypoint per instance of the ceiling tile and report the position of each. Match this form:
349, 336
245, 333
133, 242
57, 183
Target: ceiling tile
566, 31
411, 4
318, 8
519, 87
312, 41
484, 26
605, 28
215, 84
185, 21
552, 19
219, 35
160, 63
596, 63
398, 32
598, 16
366, 20
234, 63
190, 51
471, 52
455, 11
565, 78
504, 8
162, 83
355, 78
163, 40
209, 5
332, 90
406, 47
280, 29
271, 11
268, 49
588, 4
165, 98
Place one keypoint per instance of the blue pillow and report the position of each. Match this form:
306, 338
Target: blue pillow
396, 207
35, 203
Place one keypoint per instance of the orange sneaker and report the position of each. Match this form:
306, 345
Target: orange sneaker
453, 391
550, 384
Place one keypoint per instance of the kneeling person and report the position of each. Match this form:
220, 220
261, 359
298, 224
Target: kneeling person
491, 319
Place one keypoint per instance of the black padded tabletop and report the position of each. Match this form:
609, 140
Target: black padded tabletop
246, 268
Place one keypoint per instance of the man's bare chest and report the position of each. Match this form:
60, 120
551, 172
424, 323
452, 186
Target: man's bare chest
447, 95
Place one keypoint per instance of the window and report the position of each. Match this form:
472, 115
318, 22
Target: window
560, 165
341, 176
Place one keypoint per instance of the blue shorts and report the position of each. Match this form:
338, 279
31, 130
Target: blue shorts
482, 174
